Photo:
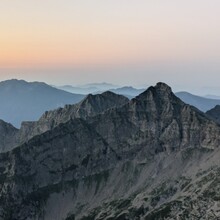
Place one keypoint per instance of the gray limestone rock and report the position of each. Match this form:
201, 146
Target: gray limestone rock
89, 106
152, 158
214, 114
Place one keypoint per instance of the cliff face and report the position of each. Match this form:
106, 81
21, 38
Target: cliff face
151, 158
89, 106
214, 114
7, 134
160, 120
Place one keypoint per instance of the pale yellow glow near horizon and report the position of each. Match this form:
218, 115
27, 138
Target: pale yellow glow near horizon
74, 33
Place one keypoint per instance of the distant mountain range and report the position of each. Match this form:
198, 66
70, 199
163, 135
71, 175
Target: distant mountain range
24, 101
32, 99
128, 91
202, 103
212, 96
97, 88
92, 88
27, 101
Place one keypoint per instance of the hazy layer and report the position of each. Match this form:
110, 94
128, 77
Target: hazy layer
121, 41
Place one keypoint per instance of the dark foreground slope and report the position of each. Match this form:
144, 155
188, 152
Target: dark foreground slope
152, 158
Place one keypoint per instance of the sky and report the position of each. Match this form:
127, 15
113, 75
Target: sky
124, 42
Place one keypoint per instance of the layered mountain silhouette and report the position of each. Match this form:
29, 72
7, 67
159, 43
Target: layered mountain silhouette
23, 101
153, 157
98, 88
128, 91
91, 88
202, 103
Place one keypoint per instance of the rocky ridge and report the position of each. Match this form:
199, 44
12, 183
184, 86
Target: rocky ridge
7, 134
152, 158
89, 106
214, 113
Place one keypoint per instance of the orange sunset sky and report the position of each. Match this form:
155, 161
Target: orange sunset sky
121, 41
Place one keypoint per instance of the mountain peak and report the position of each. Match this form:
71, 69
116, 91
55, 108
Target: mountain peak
90, 106
162, 147
14, 82
163, 87
161, 90
108, 95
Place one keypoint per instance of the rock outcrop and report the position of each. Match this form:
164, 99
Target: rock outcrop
7, 135
152, 158
214, 114
89, 106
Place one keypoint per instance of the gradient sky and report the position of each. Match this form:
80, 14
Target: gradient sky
119, 41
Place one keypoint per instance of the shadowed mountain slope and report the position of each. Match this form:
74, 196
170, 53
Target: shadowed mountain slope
214, 113
152, 158
89, 106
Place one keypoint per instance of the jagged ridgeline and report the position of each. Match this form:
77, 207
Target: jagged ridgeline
89, 106
153, 157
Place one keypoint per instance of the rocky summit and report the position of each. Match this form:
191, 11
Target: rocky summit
153, 157
89, 106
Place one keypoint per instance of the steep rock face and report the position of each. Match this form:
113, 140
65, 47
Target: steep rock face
141, 160
49, 163
89, 106
7, 134
160, 120
214, 114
